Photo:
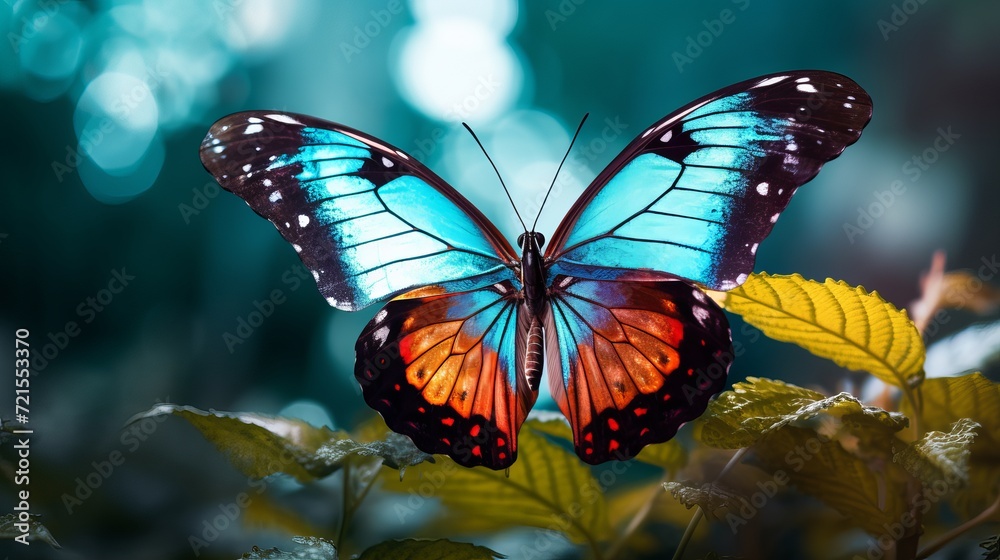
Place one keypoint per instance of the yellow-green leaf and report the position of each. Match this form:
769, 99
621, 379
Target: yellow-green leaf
755, 408
258, 444
416, 549
548, 487
669, 455
947, 400
856, 329
822, 468
11, 527
309, 548
940, 457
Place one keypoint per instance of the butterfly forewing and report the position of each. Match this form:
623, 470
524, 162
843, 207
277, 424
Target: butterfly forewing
633, 361
369, 221
695, 194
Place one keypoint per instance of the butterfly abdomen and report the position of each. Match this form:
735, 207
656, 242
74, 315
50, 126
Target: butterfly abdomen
533, 355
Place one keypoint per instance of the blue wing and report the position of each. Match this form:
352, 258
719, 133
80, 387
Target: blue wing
695, 194
368, 220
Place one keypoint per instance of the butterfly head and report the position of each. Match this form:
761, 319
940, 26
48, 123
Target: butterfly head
534, 239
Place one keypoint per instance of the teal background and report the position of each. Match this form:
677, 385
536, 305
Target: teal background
137, 84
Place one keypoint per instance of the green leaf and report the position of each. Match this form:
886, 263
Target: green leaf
260, 445
397, 451
947, 400
713, 499
11, 528
870, 496
991, 546
856, 329
940, 456
257, 444
669, 455
548, 487
442, 549
757, 407
310, 548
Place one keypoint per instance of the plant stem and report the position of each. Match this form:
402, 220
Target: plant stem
689, 532
958, 531
345, 511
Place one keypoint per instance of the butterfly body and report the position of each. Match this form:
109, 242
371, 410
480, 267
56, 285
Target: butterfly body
613, 306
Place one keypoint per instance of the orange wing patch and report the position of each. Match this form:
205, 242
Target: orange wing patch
619, 345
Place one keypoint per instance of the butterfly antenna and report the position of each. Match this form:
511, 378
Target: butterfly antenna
571, 142
476, 138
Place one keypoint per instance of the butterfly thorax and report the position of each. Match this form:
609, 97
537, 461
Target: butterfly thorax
533, 272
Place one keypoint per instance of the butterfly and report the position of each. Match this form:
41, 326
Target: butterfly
614, 303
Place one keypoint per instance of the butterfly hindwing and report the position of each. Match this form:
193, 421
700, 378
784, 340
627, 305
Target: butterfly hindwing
369, 221
630, 362
695, 194
443, 369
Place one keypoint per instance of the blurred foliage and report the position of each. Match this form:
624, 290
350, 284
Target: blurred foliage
105, 102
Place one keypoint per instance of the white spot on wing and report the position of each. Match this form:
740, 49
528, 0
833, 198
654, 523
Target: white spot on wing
802, 80
254, 120
267, 182
808, 88
297, 247
741, 278
253, 129
283, 119
701, 314
218, 149
303, 220
848, 105
386, 162
774, 218
667, 136
762, 188
753, 250
246, 167
315, 275
771, 81
380, 316
380, 335
331, 301
698, 295
275, 196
